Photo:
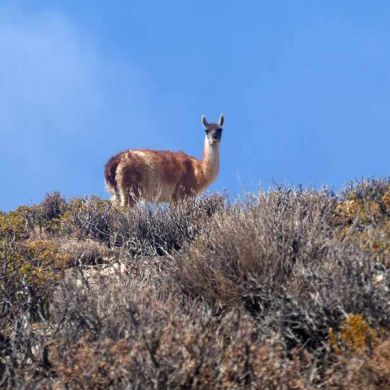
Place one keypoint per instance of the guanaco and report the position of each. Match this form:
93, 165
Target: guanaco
163, 176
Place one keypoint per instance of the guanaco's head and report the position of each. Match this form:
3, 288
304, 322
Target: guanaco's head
213, 130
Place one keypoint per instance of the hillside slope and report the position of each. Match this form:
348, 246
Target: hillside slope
284, 289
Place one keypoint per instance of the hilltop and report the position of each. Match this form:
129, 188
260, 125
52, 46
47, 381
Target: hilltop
288, 288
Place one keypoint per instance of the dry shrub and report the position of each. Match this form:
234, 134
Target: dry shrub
199, 295
262, 241
42, 220
371, 372
87, 218
280, 257
146, 343
151, 338
84, 252
52, 207
141, 230
95, 364
259, 243
150, 231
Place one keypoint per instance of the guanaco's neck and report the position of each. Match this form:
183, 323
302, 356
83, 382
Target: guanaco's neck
210, 161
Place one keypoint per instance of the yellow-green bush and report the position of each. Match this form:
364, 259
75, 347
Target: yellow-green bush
13, 224
38, 262
365, 202
373, 239
364, 216
354, 335
45, 253
386, 200
349, 210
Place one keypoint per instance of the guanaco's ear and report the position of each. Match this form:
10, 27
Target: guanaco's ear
204, 122
221, 120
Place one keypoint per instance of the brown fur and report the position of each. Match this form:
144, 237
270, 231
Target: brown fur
110, 171
162, 176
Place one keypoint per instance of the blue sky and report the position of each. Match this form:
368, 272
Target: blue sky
304, 86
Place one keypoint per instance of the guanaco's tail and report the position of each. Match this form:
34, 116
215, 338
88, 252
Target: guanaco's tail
110, 174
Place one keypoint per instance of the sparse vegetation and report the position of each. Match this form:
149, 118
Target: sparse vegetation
288, 289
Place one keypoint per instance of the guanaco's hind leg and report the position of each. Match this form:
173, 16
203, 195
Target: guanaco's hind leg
127, 194
114, 194
122, 197
128, 197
